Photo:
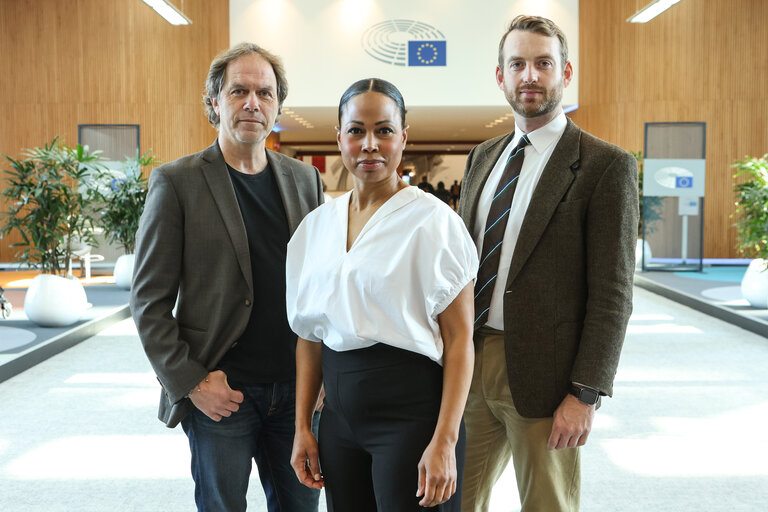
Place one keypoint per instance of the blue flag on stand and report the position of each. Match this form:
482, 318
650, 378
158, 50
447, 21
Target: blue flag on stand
426, 53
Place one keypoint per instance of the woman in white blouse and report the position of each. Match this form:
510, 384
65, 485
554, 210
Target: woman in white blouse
380, 292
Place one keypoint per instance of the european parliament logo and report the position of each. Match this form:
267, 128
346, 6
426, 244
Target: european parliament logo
405, 43
426, 53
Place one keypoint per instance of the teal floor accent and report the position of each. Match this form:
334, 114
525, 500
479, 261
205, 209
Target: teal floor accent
726, 274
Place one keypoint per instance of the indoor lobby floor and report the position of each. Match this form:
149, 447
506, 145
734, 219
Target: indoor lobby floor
685, 430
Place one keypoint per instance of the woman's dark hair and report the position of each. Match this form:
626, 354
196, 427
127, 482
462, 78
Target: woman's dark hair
373, 85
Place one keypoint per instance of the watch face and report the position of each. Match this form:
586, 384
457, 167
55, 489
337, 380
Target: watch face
588, 396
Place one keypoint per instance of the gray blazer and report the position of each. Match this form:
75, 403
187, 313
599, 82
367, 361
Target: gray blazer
568, 296
192, 244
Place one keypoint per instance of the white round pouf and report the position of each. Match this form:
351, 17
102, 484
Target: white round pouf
53, 301
124, 271
754, 284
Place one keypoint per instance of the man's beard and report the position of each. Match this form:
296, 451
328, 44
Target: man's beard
549, 101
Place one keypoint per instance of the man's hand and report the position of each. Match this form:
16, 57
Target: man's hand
320, 400
215, 398
572, 424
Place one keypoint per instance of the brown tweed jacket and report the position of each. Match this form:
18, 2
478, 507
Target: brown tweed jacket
568, 296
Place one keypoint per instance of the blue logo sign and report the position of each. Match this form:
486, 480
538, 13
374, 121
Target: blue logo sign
426, 53
683, 181
405, 43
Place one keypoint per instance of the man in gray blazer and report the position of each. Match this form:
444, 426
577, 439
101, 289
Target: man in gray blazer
554, 213
208, 294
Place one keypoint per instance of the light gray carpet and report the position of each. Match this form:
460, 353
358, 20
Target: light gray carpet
685, 431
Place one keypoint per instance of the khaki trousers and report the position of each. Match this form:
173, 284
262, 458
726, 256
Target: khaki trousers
548, 481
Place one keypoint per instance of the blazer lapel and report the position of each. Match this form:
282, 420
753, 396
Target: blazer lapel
553, 184
286, 184
217, 177
485, 162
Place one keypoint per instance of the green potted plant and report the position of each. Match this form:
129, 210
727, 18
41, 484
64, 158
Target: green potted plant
120, 195
48, 209
751, 217
650, 213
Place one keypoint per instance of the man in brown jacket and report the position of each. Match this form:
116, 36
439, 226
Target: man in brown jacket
553, 211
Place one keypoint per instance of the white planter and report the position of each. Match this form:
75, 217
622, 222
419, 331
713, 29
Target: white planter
754, 284
53, 301
639, 247
124, 271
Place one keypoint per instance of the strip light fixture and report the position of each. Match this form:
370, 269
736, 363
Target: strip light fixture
168, 11
650, 11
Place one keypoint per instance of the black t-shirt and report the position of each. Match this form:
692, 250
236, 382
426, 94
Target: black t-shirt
266, 351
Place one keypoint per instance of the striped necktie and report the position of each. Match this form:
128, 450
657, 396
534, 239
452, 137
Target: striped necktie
495, 226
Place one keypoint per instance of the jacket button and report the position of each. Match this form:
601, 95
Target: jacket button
247, 303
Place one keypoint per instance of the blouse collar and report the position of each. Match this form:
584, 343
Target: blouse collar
400, 199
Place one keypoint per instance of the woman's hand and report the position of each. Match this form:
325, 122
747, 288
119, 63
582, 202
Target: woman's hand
437, 467
305, 459
437, 473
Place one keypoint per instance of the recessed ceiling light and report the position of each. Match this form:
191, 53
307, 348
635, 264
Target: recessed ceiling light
650, 11
170, 13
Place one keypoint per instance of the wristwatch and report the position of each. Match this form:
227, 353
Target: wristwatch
587, 396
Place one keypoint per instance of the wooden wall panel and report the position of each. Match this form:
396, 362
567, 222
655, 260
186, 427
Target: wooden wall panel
96, 61
702, 60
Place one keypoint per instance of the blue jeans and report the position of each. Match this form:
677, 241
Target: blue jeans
261, 430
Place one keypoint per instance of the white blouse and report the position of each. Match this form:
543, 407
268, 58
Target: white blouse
409, 262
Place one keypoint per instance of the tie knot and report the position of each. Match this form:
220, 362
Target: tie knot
522, 142
519, 148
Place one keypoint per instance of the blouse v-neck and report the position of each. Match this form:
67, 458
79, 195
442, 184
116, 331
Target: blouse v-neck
395, 202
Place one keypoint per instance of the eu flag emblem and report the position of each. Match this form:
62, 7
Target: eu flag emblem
426, 53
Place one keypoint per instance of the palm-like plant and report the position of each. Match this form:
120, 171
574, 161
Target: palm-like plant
752, 206
46, 206
120, 196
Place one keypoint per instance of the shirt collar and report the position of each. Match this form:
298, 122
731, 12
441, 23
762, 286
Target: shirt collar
544, 136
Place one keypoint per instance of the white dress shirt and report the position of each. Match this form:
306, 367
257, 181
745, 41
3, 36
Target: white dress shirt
409, 262
543, 142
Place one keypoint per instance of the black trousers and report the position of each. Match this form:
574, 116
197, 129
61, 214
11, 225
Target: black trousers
381, 409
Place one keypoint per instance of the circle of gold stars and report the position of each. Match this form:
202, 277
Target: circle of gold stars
434, 53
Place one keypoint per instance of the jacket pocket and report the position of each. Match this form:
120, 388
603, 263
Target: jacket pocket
196, 338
